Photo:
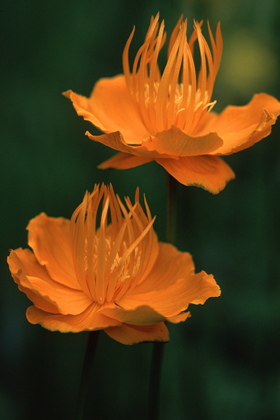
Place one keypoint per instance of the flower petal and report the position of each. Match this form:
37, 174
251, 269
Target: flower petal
123, 161
110, 108
167, 304
172, 284
179, 318
116, 141
208, 172
242, 126
50, 240
135, 313
177, 143
166, 292
21, 260
34, 280
170, 266
89, 320
132, 334
135, 307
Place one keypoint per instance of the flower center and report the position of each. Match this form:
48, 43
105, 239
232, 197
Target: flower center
178, 112
181, 95
114, 258
120, 273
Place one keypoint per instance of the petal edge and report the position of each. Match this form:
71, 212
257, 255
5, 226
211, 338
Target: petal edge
208, 172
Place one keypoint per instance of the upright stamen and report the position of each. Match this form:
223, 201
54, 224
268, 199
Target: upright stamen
169, 78
153, 80
92, 241
131, 281
173, 98
78, 241
189, 90
181, 95
100, 284
202, 77
111, 264
217, 47
109, 260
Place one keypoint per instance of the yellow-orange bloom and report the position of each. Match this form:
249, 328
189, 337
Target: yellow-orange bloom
115, 277
167, 117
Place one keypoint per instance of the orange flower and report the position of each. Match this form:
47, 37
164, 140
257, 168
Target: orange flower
117, 277
168, 117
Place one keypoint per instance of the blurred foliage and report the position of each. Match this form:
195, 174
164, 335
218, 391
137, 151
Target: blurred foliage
223, 363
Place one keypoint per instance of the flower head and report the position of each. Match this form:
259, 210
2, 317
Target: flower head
168, 117
105, 269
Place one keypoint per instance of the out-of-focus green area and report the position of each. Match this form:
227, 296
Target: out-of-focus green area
222, 363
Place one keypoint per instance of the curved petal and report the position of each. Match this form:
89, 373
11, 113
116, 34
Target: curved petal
110, 108
177, 143
116, 141
131, 334
124, 161
172, 284
166, 292
89, 320
242, 126
208, 172
135, 312
168, 304
179, 318
50, 240
48, 295
21, 260
170, 266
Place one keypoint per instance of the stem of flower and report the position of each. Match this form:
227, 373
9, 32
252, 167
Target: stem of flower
155, 380
158, 347
87, 367
171, 207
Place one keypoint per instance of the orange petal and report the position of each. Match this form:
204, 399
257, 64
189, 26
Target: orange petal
171, 302
172, 284
89, 320
170, 266
123, 161
110, 108
41, 289
116, 141
131, 334
179, 318
50, 240
135, 313
166, 292
21, 260
208, 172
177, 143
137, 307
241, 127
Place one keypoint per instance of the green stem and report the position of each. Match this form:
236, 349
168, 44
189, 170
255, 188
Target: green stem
158, 347
85, 378
155, 378
171, 207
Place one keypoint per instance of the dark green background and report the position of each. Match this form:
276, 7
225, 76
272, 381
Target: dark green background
223, 363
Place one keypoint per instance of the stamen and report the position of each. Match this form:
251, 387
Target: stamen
78, 241
100, 285
181, 95
109, 261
